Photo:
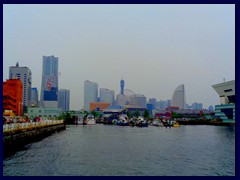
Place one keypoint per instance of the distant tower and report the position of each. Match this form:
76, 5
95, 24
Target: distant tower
122, 86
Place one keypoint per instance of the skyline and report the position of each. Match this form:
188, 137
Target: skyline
154, 48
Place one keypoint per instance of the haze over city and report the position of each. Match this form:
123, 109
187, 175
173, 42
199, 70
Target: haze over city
154, 48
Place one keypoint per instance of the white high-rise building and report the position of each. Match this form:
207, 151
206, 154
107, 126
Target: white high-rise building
49, 88
25, 75
178, 98
107, 95
64, 99
90, 94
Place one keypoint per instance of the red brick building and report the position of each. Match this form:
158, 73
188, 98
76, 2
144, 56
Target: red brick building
12, 96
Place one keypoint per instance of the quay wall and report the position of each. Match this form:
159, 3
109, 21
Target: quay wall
17, 139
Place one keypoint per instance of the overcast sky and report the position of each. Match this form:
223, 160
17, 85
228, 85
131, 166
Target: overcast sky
154, 48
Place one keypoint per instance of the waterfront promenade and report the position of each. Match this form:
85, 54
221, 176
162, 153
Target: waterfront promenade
17, 135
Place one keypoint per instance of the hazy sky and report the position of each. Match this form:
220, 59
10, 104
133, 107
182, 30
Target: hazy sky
154, 48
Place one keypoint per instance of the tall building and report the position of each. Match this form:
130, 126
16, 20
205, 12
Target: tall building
153, 101
25, 75
34, 97
178, 98
107, 95
90, 94
197, 106
49, 88
122, 87
138, 100
64, 99
12, 96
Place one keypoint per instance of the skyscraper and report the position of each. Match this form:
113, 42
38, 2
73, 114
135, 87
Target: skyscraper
90, 93
178, 98
25, 75
63, 99
122, 87
49, 88
107, 95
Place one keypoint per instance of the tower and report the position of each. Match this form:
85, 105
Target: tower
122, 87
90, 94
49, 88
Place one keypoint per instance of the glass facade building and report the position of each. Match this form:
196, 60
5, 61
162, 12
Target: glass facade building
49, 87
64, 99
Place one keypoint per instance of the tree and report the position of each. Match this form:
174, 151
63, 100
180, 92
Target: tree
136, 114
146, 114
174, 115
95, 114
129, 114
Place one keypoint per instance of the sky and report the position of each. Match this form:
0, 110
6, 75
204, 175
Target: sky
154, 48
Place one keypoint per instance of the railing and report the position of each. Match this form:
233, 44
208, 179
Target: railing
24, 125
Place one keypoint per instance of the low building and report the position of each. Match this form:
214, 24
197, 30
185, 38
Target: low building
98, 106
43, 112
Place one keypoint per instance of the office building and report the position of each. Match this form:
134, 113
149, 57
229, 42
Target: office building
12, 96
178, 97
64, 99
90, 93
107, 95
25, 75
49, 87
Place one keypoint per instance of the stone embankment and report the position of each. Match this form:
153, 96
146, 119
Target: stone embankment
17, 138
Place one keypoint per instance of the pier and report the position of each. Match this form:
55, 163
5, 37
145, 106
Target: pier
17, 135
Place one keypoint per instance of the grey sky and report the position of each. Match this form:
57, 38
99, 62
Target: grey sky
154, 48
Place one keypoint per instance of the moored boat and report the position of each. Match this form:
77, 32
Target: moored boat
141, 122
90, 120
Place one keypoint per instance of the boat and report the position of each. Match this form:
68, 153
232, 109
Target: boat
141, 122
157, 122
90, 120
122, 121
176, 124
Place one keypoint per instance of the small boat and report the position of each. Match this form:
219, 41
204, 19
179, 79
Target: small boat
176, 124
157, 123
122, 122
141, 122
90, 120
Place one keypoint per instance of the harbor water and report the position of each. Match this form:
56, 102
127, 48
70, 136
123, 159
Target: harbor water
107, 150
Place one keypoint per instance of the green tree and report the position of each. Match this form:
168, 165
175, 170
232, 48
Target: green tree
174, 115
146, 114
129, 114
95, 114
136, 114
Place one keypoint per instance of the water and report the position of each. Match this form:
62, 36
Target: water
105, 150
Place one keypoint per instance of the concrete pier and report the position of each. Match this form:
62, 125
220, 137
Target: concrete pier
16, 139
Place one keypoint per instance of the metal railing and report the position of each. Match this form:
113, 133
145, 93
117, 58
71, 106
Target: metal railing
27, 125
